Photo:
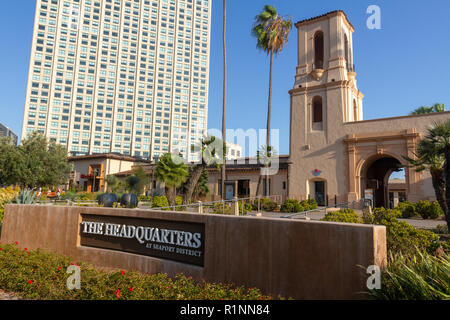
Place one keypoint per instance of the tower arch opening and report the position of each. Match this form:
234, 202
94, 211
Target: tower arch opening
375, 176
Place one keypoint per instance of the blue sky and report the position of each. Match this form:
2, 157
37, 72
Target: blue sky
400, 67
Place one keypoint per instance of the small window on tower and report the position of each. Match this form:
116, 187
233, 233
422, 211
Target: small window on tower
318, 50
317, 110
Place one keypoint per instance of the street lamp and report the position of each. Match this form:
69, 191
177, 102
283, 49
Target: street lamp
96, 173
155, 161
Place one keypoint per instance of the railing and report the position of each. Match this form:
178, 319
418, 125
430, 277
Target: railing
345, 205
236, 206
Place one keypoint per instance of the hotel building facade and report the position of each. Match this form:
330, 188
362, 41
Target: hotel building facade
120, 76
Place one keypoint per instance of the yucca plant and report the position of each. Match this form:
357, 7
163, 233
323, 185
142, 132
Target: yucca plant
26, 197
419, 277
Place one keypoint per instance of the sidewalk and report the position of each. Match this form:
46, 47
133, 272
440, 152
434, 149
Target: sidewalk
317, 216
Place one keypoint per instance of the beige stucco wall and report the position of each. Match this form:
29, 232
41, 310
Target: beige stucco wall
298, 259
344, 148
276, 181
111, 166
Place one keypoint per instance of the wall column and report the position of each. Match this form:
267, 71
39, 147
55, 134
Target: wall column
352, 185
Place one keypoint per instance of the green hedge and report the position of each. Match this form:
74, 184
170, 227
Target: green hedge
295, 206
42, 275
346, 216
162, 202
401, 236
266, 205
425, 209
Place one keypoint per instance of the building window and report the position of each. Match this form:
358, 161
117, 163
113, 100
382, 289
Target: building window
318, 50
317, 110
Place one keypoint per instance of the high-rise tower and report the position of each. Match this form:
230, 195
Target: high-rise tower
123, 76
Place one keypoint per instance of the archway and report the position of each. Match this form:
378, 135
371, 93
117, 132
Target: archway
375, 177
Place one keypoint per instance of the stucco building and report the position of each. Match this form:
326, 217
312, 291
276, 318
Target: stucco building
334, 153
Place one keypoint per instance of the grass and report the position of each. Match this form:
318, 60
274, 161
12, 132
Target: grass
418, 277
40, 275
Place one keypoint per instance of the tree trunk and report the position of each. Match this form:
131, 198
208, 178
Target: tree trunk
447, 183
437, 176
258, 188
193, 181
224, 115
269, 116
171, 195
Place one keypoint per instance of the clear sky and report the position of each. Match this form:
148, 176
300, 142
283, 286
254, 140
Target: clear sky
404, 65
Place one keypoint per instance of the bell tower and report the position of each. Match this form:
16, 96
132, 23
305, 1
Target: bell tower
325, 82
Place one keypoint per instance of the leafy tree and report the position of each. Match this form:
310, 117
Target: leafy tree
173, 172
11, 162
272, 32
142, 176
425, 110
36, 163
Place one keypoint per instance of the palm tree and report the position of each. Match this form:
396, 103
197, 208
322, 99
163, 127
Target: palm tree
224, 114
112, 183
439, 136
265, 156
209, 155
429, 158
438, 107
272, 33
172, 171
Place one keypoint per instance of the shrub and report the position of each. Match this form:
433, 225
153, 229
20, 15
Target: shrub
346, 216
245, 207
218, 208
381, 214
404, 238
312, 204
160, 202
408, 209
435, 211
401, 236
42, 275
423, 209
418, 277
269, 206
291, 206
441, 229
266, 205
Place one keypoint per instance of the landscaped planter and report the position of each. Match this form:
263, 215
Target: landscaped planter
129, 201
108, 200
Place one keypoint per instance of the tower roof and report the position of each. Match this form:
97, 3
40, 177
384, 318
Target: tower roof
324, 16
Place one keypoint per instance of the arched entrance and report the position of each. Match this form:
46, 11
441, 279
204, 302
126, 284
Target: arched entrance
375, 177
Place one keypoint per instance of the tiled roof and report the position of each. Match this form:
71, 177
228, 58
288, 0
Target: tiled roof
106, 156
322, 16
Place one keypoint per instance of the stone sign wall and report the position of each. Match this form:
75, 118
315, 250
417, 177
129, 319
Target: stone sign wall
297, 259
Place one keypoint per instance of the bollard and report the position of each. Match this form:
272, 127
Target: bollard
200, 207
235, 207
